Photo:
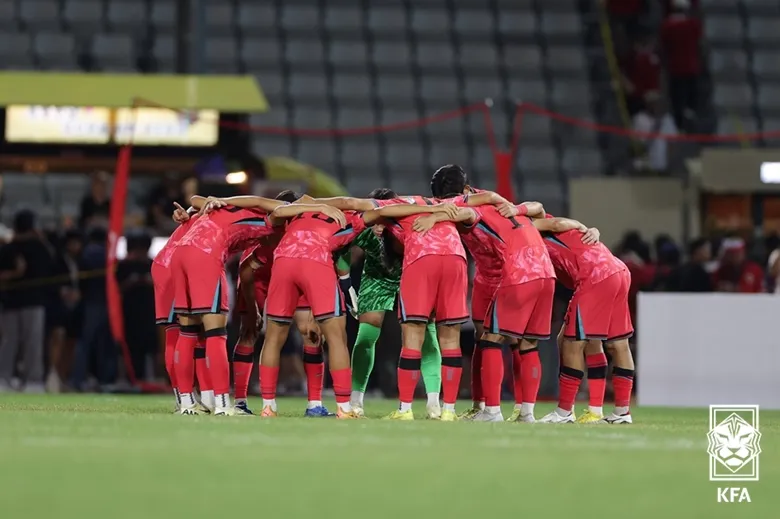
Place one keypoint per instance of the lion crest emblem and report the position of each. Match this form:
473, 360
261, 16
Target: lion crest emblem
734, 442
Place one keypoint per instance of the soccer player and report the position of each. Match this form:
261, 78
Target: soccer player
303, 265
165, 316
379, 284
433, 282
598, 311
198, 266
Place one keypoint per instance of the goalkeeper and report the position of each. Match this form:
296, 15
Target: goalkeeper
376, 296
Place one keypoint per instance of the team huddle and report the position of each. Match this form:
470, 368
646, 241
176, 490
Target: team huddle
295, 264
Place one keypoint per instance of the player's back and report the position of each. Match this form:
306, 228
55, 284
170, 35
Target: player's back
575, 262
164, 255
441, 240
316, 235
227, 230
263, 254
519, 242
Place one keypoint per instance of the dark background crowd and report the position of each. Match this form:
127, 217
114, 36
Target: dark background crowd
54, 331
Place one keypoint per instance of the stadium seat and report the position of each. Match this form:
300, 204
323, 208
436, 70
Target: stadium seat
220, 18
569, 94
260, 53
765, 65
733, 96
564, 27
722, 30
395, 89
570, 60
529, 90
478, 89
391, 54
430, 22
352, 88
318, 152
83, 16
273, 85
308, 86
763, 32
304, 54
536, 129
128, 16
769, 99
728, 63
221, 55
523, 58
736, 125
272, 145
255, 19
348, 54
730, 7
348, 117
163, 16
432, 56
756, 8
578, 162
344, 19
474, 24
16, 50
443, 91
387, 21
300, 18
164, 53
9, 19
55, 51
478, 58
537, 162
113, 52
38, 15
517, 25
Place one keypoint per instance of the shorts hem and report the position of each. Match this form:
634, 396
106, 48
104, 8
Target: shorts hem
164, 320
279, 318
450, 322
414, 319
619, 337
586, 338
536, 336
325, 317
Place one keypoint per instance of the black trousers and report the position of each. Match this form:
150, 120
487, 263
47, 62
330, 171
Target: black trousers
683, 94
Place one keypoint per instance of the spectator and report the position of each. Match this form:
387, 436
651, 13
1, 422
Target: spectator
62, 314
642, 72
189, 188
656, 120
161, 202
625, 14
692, 276
773, 268
96, 340
134, 275
96, 204
736, 273
680, 38
24, 264
667, 261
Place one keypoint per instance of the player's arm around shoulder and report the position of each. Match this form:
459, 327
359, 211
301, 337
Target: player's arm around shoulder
206, 205
284, 212
452, 213
347, 203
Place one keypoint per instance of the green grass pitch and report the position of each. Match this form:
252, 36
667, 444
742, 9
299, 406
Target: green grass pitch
117, 457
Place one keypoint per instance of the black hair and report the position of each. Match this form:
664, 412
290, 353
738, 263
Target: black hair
140, 241
697, 244
72, 235
24, 221
390, 257
288, 195
448, 181
382, 193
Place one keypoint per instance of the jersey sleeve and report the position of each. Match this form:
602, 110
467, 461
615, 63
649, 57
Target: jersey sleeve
345, 236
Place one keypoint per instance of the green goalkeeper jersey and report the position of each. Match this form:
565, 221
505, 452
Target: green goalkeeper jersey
373, 266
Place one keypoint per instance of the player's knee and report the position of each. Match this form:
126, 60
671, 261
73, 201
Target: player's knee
618, 347
593, 348
372, 318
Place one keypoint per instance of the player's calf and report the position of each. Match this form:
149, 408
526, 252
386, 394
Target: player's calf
622, 381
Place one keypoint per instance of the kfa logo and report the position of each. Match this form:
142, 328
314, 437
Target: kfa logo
734, 446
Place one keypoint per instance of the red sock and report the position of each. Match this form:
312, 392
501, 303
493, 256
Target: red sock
243, 358
342, 384
171, 337
517, 376
184, 358
597, 378
202, 368
530, 374
451, 370
622, 383
408, 374
216, 355
476, 375
568, 385
314, 365
268, 379
492, 371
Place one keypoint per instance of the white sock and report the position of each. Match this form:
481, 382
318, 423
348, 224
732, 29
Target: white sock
562, 412
621, 410
493, 409
222, 401
269, 403
451, 407
176, 396
527, 408
519, 407
357, 398
596, 410
314, 403
207, 398
405, 406
345, 407
479, 405
433, 398
187, 400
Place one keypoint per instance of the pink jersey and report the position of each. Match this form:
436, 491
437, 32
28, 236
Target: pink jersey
227, 231
164, 256
315, 236
442, 240
263, 254
479, 241
577, 263
519, 243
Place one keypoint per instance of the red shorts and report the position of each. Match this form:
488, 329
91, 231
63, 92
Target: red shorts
261, 296
522, 311
481, 296
295, 281
434, 286
199, 281
163, 294
600, 311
